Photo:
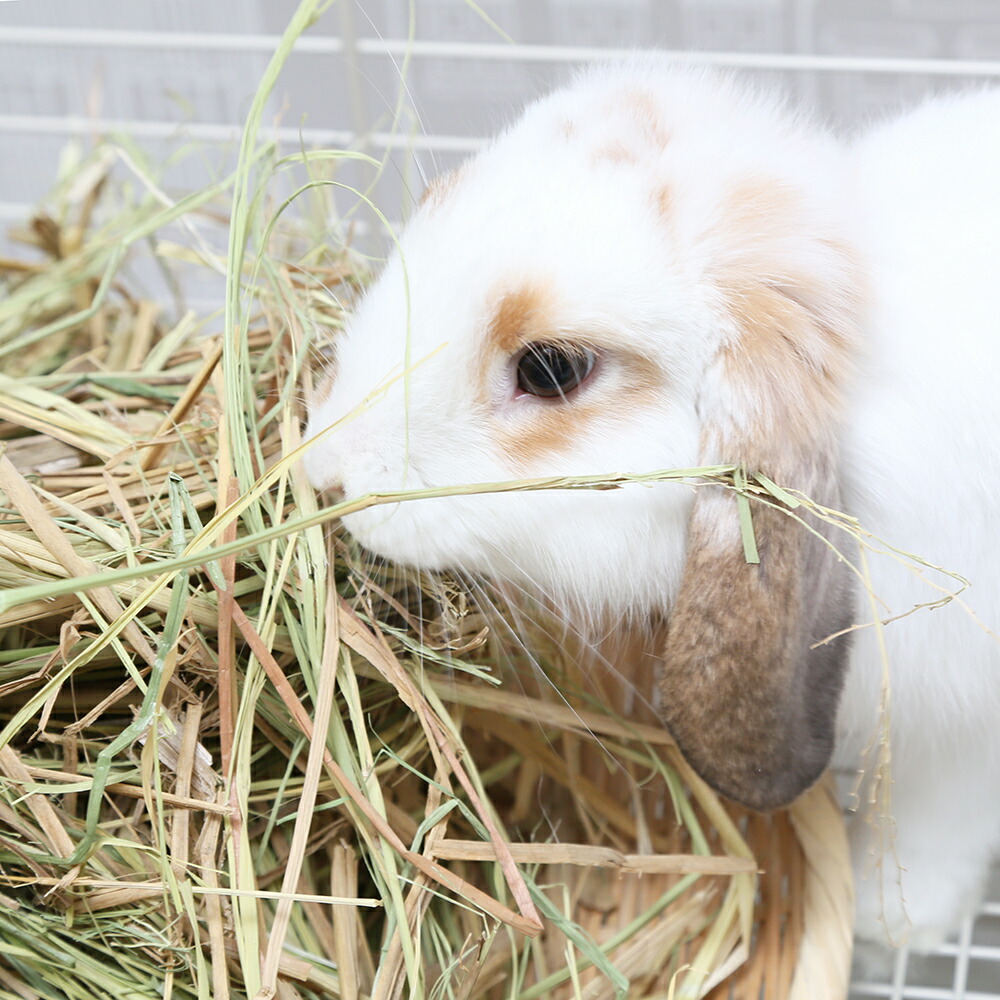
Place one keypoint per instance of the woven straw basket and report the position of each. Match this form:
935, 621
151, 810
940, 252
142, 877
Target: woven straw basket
794, 943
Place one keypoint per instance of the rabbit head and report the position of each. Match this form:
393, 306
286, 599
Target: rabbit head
645, 272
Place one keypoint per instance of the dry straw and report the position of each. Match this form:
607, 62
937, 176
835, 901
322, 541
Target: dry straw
236, 763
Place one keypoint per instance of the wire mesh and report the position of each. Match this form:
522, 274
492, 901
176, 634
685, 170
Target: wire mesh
966, 968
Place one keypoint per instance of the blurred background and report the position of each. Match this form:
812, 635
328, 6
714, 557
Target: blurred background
168, 73
418, 85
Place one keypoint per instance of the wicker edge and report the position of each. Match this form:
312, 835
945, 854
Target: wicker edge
824, 964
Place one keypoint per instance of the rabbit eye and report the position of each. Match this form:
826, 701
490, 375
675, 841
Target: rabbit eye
549, 370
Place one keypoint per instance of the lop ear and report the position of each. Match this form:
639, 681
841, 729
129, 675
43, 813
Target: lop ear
751, 704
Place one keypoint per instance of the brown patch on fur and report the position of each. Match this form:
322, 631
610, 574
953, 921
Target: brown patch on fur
552, 427
440, 188
324, 381
525, 315
759, 206
795, 319
643, 108
664, 201
787, 366
613, 152
521, 317
551, 431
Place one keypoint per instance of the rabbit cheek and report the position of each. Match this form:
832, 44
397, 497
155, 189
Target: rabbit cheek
546, 436
550, 434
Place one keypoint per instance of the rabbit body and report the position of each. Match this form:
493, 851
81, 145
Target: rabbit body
922, 419
748, 289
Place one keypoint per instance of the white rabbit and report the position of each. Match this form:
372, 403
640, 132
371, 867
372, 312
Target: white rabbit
662, 268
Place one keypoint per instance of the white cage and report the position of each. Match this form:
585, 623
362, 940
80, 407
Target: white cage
168, 72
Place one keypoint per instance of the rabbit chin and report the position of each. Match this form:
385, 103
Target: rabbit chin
427, 540
592, 554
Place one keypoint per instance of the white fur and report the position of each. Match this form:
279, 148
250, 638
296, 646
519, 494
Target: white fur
922, 451
919, 202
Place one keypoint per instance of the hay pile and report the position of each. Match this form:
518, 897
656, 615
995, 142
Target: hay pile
178, 621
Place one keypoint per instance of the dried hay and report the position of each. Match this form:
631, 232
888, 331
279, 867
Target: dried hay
176, 624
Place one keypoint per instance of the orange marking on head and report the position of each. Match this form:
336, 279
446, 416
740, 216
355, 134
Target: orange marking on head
613, 152
643, 108
552, 427
796, 316
529, 314
787, 367
551, 432
521, 316
441, 187
762, 206
664, 200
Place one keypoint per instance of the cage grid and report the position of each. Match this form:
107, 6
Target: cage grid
967, 968
171, 73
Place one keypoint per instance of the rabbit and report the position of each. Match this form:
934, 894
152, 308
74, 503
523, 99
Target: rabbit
661, 267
